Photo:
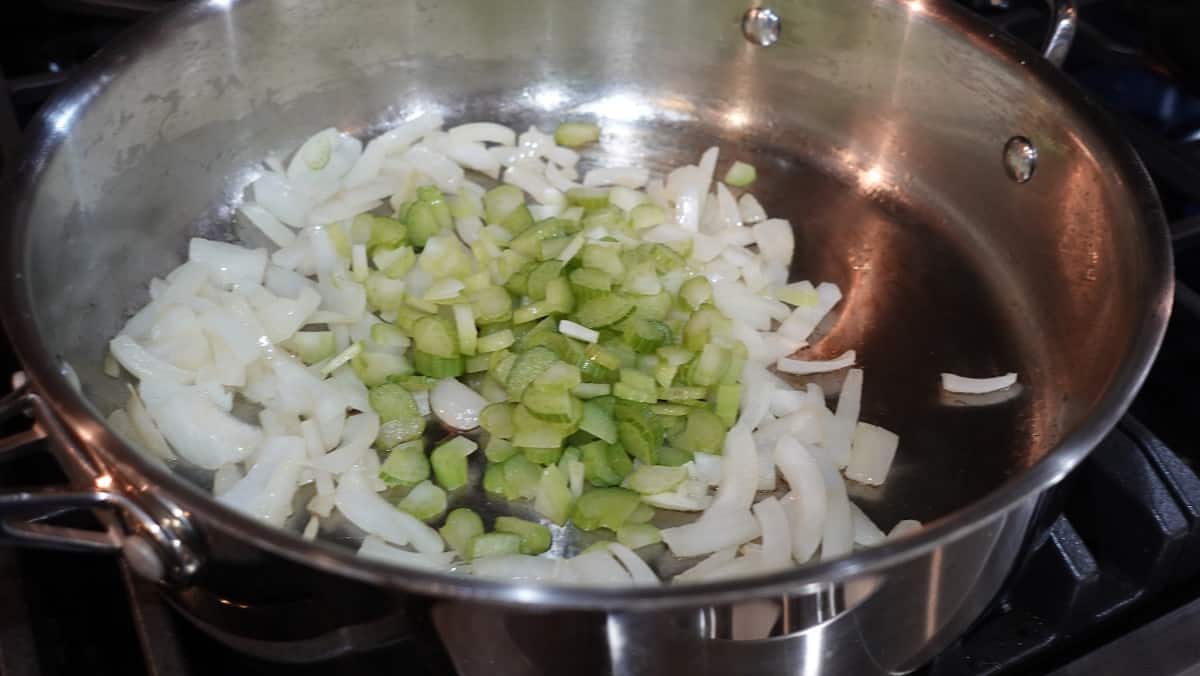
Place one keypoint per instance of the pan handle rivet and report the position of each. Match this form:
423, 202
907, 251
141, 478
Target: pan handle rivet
761, 25
1020, 159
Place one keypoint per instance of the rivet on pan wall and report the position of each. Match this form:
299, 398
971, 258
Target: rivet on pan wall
761, 25
1020, 159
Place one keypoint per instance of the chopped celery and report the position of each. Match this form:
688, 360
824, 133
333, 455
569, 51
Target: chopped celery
501, 201
575, 134
478, 363
604, 257
740, 174
603, 311
604, 508
710, 365
554, 404
433, 336
619, 460
528, 366
553, 499
384, 232
499, 450
673, 410
588, 283
497, 420
493, 544
406, 464
535, 288
673, 457
696, 291
535, 537
547, 455
494, 342
642, 514
518, 220
375, 368
596, 467
494, 481
464, 326
646, 335
704, 433
591, 390
461, 525
598, 423
521, 478
588, 198
726, 402
438, 367
449, 462
637, 535
401, 421
389, 335
311, 346
647, 216
491, 305
653, 479
425, 501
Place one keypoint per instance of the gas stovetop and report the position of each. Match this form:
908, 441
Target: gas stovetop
1113, 587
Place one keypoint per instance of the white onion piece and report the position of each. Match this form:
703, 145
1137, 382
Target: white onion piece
533, 183
375, 548
468, 154
806, 426
964, 385
444, 172
775, 240
718, 531
271, 227
905, 527
629, 177
677, 502
558, 178
766, 469
804, 319
282, 199
739, 478
776, 533
837, 537
871, 454
484, 131
372, 513
229, 264
224, 478
599, 568
144, 365
713, 562
756, 394
785, 402
194, 427
357, 434
707, 468
807, 502
866, 533
810, 366
840, 434
267, 489
578, 331
336, 210
727, 208
456, 405
750, 210
394, 141
147, 432
639, 571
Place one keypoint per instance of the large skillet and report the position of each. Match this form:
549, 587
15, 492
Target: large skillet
899, 138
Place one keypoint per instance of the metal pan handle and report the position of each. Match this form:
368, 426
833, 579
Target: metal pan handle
153, 536
1064, 21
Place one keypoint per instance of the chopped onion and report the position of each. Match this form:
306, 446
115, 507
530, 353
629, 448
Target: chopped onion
728, 528
871, 454
776, 535
456, 405
641, 573
866, 533
964, 385
807, 366
371, 512
905, 527
807, 503
375, 548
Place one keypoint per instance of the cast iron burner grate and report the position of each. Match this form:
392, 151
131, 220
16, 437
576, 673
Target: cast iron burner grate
1118, 567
